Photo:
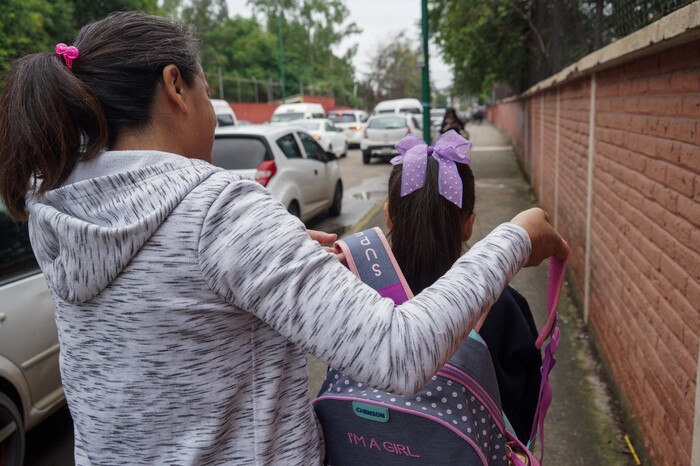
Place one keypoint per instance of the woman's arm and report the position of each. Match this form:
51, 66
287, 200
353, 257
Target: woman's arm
261, 259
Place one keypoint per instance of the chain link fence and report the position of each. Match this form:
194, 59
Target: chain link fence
564, 31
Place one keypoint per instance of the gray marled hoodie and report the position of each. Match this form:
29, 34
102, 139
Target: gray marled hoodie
186, 298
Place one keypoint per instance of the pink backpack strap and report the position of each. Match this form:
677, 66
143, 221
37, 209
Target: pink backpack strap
555, 282
370, 258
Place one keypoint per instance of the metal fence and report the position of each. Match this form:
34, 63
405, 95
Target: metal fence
235, 89
564, 31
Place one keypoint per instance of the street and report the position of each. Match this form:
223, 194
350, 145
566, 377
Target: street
51, 443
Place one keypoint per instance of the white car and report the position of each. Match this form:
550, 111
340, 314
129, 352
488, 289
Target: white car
331, 138
383, 132
30, 380
225, 116
288, 161
352, 121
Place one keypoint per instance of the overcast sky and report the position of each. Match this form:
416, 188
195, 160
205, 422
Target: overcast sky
380, 21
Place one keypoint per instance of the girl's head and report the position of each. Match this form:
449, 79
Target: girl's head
451, 113
428, 231
130, 72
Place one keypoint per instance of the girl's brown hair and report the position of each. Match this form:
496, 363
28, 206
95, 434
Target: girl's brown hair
426, 233
51, 116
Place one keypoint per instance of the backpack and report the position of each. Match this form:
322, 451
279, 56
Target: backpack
456, 418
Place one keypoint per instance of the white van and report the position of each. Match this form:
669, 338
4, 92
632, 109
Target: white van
399, 106
290, 112
225, 116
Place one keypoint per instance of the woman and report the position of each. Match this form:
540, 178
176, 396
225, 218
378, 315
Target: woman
451, 121
186, 297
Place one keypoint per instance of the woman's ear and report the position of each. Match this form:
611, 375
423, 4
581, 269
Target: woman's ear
174, 87
468, 226
389, 224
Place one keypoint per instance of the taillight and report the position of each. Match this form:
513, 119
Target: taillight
358, 127
266, 171
317, 137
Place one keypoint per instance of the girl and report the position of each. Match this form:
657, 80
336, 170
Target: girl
428, 232
186, 297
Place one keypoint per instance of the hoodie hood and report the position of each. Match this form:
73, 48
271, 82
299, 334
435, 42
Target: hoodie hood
85, 232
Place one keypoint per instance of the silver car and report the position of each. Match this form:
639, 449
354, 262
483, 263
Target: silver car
383, 132
30, 381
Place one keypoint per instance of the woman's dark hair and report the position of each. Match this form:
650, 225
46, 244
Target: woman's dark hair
426, 232
52, 116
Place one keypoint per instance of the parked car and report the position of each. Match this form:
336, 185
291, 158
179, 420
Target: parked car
225, 116
383, 132
288, 112
30, 380
352, 121
399, 106
286, 160
330, 137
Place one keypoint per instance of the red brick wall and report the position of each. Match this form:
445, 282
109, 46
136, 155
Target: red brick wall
644, 299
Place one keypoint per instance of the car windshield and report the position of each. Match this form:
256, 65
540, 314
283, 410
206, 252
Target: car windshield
224, 120
238, 152
291, 116
437, 113
310, 125
342, 118
409, 110
387, 123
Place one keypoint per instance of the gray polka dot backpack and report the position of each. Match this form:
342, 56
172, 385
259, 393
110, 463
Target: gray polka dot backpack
456, 419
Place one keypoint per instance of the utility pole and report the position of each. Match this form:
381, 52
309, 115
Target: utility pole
281, 45
425, 73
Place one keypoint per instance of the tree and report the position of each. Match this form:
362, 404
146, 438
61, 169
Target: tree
485, 41
395, 71
311, 30
28, 26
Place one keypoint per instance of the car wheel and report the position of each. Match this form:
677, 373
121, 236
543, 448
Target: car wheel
334, 210
11, 433
294, 209
366, 156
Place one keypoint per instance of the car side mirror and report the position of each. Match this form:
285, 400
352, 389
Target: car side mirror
330, 156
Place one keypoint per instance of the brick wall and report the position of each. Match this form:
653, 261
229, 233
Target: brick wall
641, 280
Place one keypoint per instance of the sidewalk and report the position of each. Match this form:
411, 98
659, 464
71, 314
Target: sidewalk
580, 427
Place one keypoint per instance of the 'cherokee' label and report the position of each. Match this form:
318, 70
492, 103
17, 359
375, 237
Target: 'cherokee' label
371, 412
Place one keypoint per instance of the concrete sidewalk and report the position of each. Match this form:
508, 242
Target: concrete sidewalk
581, 428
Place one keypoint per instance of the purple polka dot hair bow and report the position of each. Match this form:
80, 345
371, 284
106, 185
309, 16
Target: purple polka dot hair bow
449, 150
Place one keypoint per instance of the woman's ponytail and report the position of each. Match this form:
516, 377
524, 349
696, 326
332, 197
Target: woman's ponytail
49, 119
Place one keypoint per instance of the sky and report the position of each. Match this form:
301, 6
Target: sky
380, 21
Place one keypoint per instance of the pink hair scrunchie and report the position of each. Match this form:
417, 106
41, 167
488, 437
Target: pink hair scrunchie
69, 53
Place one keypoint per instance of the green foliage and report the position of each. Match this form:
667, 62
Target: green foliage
86, 11
28, 26
485, 41
311, 29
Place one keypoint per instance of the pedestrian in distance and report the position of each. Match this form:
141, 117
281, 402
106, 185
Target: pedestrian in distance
186, 297
451, 121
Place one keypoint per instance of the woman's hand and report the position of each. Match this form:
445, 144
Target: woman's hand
544, 238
